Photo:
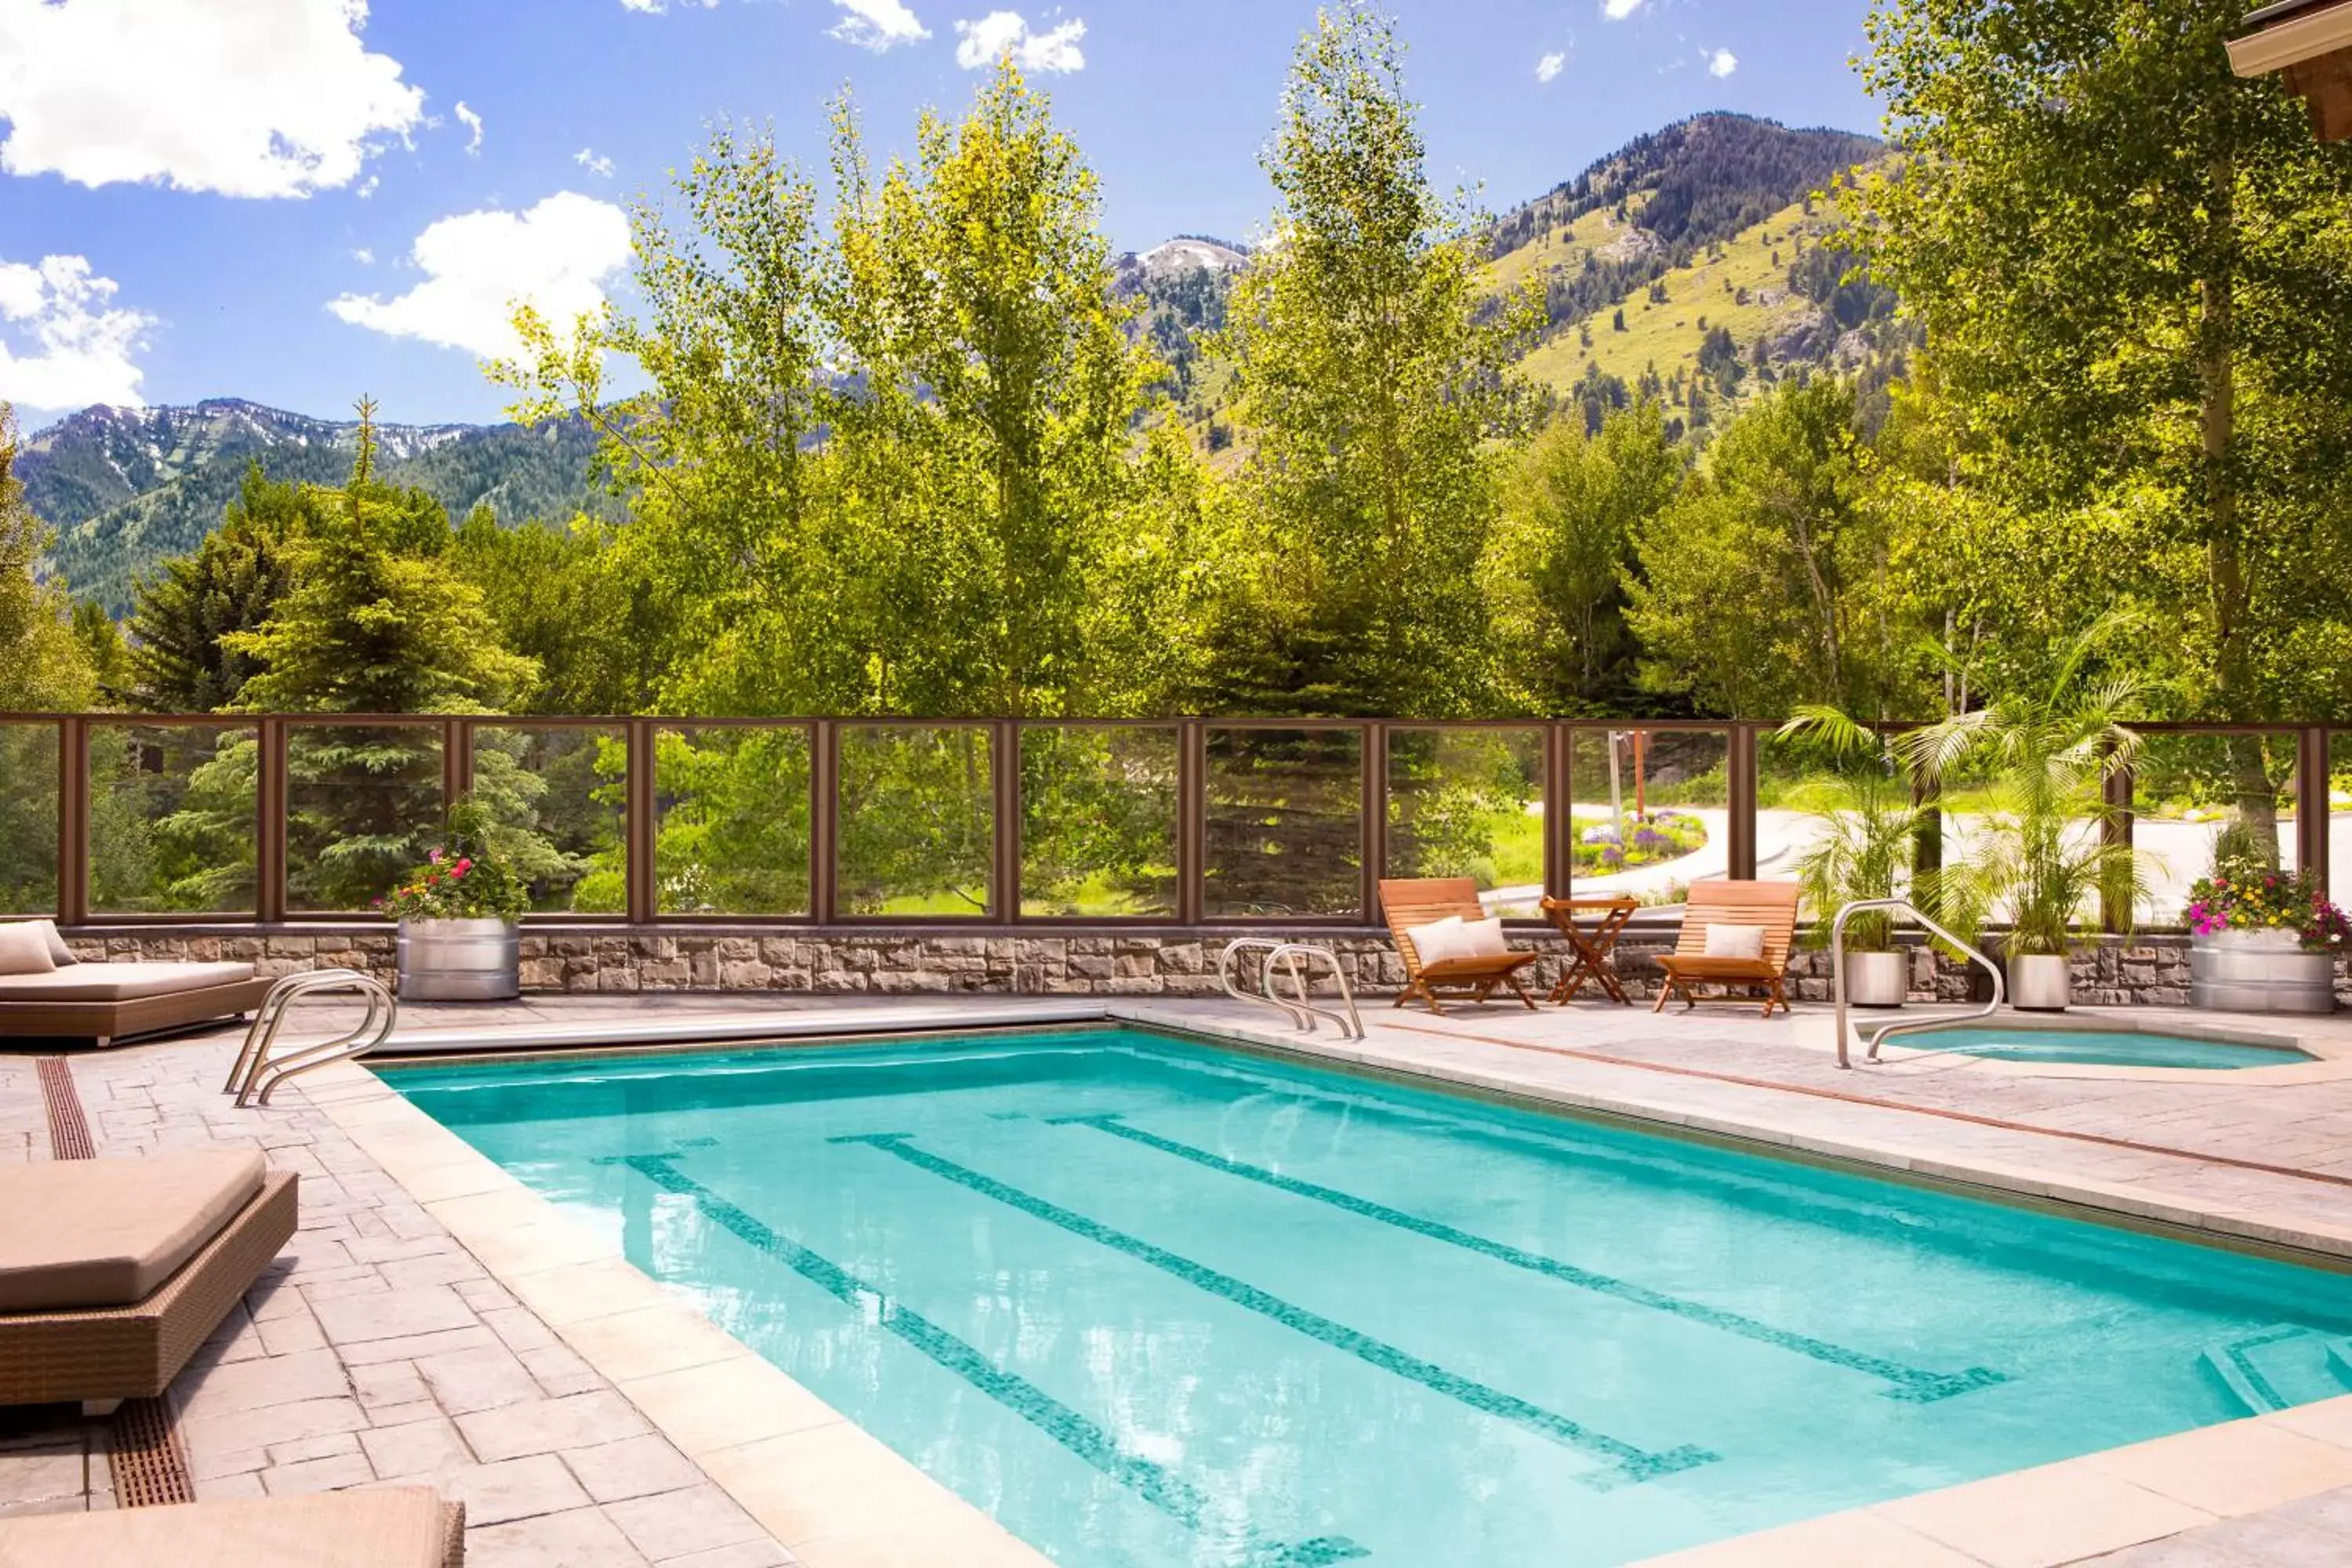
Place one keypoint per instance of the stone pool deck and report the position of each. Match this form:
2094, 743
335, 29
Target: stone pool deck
434, 1321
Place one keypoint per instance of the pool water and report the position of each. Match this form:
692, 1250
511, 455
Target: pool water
1152, 1303
2102, 1047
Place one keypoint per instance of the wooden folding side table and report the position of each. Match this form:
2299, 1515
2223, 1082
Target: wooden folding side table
1591, 948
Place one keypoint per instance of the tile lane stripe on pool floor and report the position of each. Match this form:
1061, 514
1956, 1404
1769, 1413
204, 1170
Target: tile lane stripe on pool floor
1905, 1383
1627, 1463
1168, 1493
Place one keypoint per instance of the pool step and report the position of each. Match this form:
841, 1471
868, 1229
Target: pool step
2284, 1365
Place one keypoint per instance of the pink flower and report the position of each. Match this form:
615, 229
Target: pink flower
465, 864
433, 856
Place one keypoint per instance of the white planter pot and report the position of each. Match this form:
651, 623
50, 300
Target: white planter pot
1877, 979
2040, 982
2259, 971
459, 961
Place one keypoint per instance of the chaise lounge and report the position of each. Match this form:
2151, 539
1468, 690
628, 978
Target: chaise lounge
386, 1527
46, 993
112, 1272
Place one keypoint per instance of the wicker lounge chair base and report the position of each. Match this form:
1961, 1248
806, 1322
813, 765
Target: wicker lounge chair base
109, 1022
99, 1354
394, 1527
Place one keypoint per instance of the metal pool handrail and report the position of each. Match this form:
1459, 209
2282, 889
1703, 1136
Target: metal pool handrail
256, 1074
1901, 1026
1301, 1011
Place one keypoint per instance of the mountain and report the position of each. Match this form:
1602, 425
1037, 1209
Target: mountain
126, 486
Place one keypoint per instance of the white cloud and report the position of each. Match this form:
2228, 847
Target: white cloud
262, 98
1551, 66
594, 162
1722, 63
365, 257
473, 122
656, 8
80, 346
1618, 10
1001, 33
479, 265
878, 25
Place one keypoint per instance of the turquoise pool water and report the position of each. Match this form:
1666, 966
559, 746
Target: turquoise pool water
2101, 1048
1152, 1303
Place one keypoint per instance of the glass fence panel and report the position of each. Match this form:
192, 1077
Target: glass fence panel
1284, 835
731, 821
1842, 823
363, 804
28, 820
171, 813
2340, 816
1650, 812
1098, 821
2196, 798
918, 826
1470, 802
559, 794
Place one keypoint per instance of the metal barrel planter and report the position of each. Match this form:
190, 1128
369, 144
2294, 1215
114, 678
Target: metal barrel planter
2259, 971
459, 961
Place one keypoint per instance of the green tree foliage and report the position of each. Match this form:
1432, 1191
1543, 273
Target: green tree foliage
42, 664
1557, 572
372, 626
590, 616
1764, 585
181, 660
1372, 374
2132, 267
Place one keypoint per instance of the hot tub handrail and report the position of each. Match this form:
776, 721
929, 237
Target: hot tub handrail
1350, 1025
256, 1074
1901, 1026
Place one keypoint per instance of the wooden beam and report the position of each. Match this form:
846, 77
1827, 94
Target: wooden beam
2303, 35
2326, 86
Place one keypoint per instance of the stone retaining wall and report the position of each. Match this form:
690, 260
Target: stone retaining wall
2149, 970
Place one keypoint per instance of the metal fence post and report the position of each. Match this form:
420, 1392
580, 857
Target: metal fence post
1741, 765
1372, 841
1558, 859
73, 821
642, 902
825, 798
2314, 800
269, 824
1005, 758
1192, 821
456, 762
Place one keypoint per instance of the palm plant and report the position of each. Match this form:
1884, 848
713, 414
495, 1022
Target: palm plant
1869, 833
2044, 851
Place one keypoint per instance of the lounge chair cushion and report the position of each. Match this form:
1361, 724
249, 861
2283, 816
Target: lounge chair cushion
391, 1527
24, 950
118, 982
1726, 941
107, 1233
1439, 940
59, 953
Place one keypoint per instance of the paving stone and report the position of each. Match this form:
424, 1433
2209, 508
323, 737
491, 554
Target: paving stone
258, 1427
431, 1447
465, 1380
392, 1314
698, 1518
513, 1489
263, 1380
633, 1467
762, 1553
325, 1475
545, 1425
582, 1538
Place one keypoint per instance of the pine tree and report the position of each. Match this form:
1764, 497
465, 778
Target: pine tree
365, 630
180, 662
41, 664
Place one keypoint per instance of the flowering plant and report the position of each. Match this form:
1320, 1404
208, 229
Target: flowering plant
2267, 901
461, 880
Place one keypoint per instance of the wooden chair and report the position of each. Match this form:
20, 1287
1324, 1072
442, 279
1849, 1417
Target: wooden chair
1408, 902
1771, 905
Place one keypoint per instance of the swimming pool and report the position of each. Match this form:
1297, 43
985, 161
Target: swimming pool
1150, 1302
2102, 1047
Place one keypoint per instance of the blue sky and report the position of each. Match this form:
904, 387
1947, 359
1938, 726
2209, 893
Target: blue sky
284, 199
